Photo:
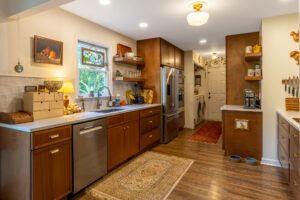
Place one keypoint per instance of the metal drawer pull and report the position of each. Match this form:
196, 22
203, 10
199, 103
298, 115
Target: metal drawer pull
150, 136
295, 136
91, 130
150, 122
150, 111
296, 155
54, 136
54, 151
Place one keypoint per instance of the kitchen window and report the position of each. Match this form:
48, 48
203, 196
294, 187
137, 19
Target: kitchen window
92, 67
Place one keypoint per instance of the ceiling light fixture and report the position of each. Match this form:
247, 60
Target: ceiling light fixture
143, 25
198, 17
203, 41
104, 2
214, 56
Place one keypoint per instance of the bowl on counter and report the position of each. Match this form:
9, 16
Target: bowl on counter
53, 86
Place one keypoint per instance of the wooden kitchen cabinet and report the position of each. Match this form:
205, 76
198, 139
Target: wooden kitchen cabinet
52, 172
179, 59
167, 54
123, 138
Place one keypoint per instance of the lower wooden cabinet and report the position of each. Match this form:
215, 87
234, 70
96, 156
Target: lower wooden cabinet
52, 172
123, 142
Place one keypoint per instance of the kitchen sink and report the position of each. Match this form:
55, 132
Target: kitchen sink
109, 110
297, 119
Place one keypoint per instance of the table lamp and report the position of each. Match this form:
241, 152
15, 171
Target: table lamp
67, 88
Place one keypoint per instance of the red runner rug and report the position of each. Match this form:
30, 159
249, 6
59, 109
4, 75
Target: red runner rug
210, 132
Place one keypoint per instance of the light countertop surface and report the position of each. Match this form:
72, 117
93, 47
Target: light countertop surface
72, 119
288, 116
239, 108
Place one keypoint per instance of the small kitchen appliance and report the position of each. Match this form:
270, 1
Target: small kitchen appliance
249, 99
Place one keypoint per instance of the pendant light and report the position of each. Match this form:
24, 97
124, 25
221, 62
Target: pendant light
198, 17
18, 68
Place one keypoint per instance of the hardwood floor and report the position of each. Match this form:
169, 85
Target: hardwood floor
214, 177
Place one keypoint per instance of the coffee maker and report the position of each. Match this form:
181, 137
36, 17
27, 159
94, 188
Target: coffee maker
249, 99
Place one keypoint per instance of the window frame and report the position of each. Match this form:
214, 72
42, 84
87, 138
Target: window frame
78, 69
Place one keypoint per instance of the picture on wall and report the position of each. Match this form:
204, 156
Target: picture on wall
92, 57
48, 51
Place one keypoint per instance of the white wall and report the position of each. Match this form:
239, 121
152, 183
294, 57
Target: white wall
277, 65
189, 89
59, 25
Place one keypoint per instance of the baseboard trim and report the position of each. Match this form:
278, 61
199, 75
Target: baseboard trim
270, 162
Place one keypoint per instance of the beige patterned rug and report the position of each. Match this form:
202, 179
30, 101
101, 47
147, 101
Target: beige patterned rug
151, 176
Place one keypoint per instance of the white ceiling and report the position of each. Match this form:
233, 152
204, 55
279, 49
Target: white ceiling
167, 19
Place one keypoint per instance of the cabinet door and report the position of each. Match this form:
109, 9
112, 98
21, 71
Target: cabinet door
116, 146
132, 139
52, 172
178, 62
164, 48
171, 55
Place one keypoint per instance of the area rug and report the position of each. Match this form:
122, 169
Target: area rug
210, 132
151, 176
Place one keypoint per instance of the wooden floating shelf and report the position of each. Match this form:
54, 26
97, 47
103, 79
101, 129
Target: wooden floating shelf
128, 79
128, 61
253, 78
249, 57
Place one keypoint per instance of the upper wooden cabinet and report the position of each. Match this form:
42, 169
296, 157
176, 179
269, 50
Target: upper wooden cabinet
179, 59
164, 48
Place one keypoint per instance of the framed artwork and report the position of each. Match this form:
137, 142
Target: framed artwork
92, 58
48, 51
242, 124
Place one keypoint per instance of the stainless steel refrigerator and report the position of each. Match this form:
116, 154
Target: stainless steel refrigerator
172, 100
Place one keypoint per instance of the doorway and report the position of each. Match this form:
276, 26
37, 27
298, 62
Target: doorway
216, 88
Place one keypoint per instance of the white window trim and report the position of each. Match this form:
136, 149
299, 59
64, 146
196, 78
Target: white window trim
108, 70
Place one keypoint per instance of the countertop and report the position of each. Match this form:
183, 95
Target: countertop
72, 119
288, 116
238, 108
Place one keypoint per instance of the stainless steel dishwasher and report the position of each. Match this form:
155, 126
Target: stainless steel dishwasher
89, 153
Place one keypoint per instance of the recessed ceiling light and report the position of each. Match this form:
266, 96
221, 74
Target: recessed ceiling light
143, 25
104, 2
203, 41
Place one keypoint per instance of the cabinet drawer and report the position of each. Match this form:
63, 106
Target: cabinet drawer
36, 96
284, 161
115, 120
131, 116
56, 105
49, 96
38, 106
150, 112
294, 156
52, 136
149, 123
283, 123
58, 96
294, 181
149, 138
295, 136
283, 138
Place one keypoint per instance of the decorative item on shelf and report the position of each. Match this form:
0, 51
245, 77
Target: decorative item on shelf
19, 68
48, 51
30, 89
67, 88
53, 86
256, 49
251, 72
257, 70
15, 118
295, 54
248, 49
295, 36
42, 88
122, 50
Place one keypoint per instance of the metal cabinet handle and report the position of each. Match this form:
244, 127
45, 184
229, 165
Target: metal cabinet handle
91, 130
127, 127
150, 111
295, 136
295, 183
150, 121
54, 136
54, 151
150, 136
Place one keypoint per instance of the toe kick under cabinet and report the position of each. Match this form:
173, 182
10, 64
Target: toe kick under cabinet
289, 153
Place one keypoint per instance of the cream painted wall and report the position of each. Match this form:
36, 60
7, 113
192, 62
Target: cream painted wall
189, 89
277, 65
59, 25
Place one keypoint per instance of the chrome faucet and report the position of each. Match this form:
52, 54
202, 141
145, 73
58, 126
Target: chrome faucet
109, 104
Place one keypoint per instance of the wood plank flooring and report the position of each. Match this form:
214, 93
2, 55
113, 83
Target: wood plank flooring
214, 177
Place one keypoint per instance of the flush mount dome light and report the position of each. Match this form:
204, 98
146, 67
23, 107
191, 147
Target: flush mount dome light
198, 17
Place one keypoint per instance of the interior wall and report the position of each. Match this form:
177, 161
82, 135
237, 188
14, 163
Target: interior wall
277, 65
189, 89
16, 41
